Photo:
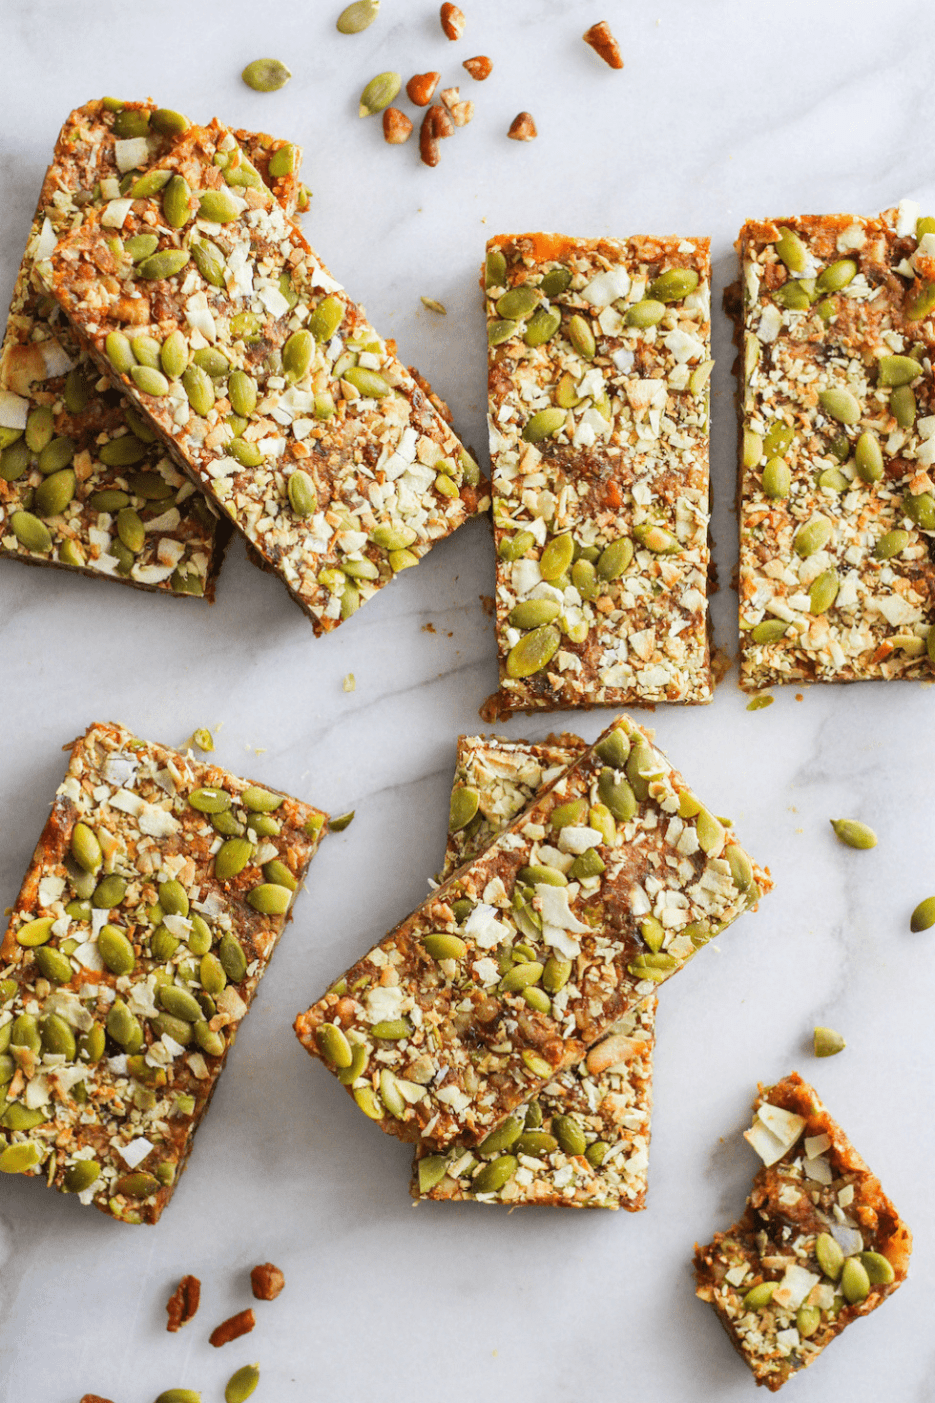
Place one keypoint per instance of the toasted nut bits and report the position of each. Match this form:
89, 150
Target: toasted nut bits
478, 67
603, 42
428, 142
523, 128
183, 1303
452, 21
397, 127
232, 1328
420, 88
267, 1281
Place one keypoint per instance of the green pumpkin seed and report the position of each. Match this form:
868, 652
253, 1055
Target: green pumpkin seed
556, 974
209, 260
231, 858
242, 393
792, 295
146, 349
492, 1177
199, 389
760, 1295
673, 285
348, 1075
211, 974
180, 1003
855, 1281
836, 276
879, 1270
109, 893
649, 312
131, 530
326, 318
853, 834
178, 1029
340, 822
564, 815
812, 537
92, 1043
124, 1027
710, 833
179, 1395
167, 122
533, 612
500, 331
389, 537
162, 265
379, 93
769, 631
596, 1153
393, 1029
569, 1135
807, 1320
119, 352
35, 932
920, 509
199, 937
116, 950
282, 161
536, 873
586, 864
778, 439
503, 1138
792, 251
280, 875
615, 559
129, 121
777, 478
14, 461
39, 428
81, 1175
544, 424
54, 494
834, 479
903, 406
922, 303
163, 944
741, 868
18, 1159
53, 965
57, 1037
581, 336
297, 355
210, 801
515, 547
495, 269
655, 538
529, 972
30, 532
840, 404
241, 1384
149, 381
823, 592
652, 933
232, 957
248, 455
827, 1043
136, 1185
442, 946
463, 807
897, 370
923, 917
219, 207
111, 500
367, 1100
265, 75
302, 496
518, 302
212, 361
655, 967
357, 17
868, 458
584, 578
536, 1143
432, 1170
542, 327
369, 382
617, 795
533, 652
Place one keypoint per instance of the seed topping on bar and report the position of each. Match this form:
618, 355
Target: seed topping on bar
150, 910
819, 1243
837, 497
598, 373
270, 386
607, 884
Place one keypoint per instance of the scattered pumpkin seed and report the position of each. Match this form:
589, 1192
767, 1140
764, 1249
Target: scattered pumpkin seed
379, 93
827, 1042
853, 834
923, 917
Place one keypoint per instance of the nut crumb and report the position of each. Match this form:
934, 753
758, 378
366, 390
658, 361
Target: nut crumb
183, 1303
349, 683
434, 305
523, 128
452, 21
428, 628
488, 604
479, 67
397, 127
603, 43
461, 113
267, 1281
232, 1328
421, 87
449, 97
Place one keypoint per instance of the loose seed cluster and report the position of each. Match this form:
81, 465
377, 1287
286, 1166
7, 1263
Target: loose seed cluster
598, 370
147, 917
267, 381
84, 482
819, 1244
584, 1141
600, 890
837, 499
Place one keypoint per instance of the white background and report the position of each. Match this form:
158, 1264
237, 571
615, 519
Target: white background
725, 110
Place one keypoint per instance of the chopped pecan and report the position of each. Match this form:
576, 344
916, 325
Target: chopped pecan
523, 128
183, 1303
397, 127
232, 1328
452, 21
478, 67
267, 1281
449, 97
461, 113
94, 1398
603, 42
420, 88
442, 125
428, 141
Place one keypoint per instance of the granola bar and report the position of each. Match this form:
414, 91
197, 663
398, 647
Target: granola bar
584, 1141
304, 428
598, 370
837, 499
84, 485
609, 881
148, 915
819, 1243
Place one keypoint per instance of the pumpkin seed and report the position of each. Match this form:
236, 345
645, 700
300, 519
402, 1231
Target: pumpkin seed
492, 1177
442, 946
834, 479
137, 1185
836, 276
569, 1135
31, 532
54, 494
868, 458
81, 1175
655, 538
14, 461
241, 1384
52, 964
556, 557
20, 1117
109, 892
495, 269
119, 352
219, 207
777, 478
760, 1295
812, 537
823, 591
536, 873
463, 807
199, 389
564, 815
596, 1153
163, 265
853, 834
370, 383
778, 440
542, 326
270, 899
529, 972
807, 1320
57, 1037
242, 393
124, 1027
827, 1043
840, 404
231, 858
673, 285
35, 932
178, 1029
920, 509
209, 260
556, 974
212, 361
649, 312
260, 801
769, 631
297, 354
923, 917
533, 652
878, 1268
282, 161
358, 16
903, 406
855, 1281
199, 937
897, 370
500, 331
652, 933
39, 428
710, 833
180, 1003
581, 336
515, 547
348, 1075
92, 1043
617, 795
379, 93
302, 496
17, 1159
792, 295
210, 801
518, 302
922, 303
115, 950
536, 1142
393, 1029
130, 530
176, 202
614, 559
149, 381
544, 424
432, 1170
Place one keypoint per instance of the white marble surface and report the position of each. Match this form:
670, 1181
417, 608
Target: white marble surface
725, 110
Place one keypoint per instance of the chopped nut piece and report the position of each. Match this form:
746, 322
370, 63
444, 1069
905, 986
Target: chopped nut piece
442, 124
452, 21
449, 97
397, 127
267, 1281
603, 42
94, 1398
350, 682
428, 141
461, 113
183, 1303
479, 67
523, 128
232, 1328
420, 88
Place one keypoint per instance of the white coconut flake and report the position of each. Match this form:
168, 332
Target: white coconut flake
135, 1152
13, 410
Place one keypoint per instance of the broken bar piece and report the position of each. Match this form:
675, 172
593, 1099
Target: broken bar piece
819, 1243
612, 879
272, 391
83, 484
584, 1141
151, 907
836, 493
598, 408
